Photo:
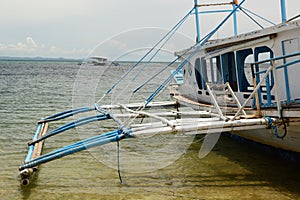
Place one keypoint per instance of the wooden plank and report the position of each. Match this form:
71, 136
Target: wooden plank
39, 146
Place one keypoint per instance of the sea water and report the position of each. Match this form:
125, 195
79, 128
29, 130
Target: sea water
29, 91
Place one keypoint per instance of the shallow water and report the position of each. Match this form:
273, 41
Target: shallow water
235, 169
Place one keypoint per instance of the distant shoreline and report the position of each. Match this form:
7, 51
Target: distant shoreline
40, 59
78, 60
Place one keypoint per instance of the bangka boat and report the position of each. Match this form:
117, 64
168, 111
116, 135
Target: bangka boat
256, 71
97, 60
245, 84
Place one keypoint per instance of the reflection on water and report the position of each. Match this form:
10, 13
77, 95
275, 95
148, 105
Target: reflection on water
235, 169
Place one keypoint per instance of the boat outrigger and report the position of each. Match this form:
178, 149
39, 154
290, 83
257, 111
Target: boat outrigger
246, 84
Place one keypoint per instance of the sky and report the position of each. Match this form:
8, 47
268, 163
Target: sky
77, 28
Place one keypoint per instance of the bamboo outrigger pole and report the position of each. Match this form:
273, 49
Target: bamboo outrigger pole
34, 151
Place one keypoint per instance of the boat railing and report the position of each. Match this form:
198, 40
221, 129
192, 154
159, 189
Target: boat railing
258, 83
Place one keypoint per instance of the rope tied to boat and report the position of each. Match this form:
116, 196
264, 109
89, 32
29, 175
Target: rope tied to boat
270, 122
109, 114
274, 126
284, 127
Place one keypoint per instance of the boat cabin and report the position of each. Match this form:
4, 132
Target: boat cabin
96, 60
230, 59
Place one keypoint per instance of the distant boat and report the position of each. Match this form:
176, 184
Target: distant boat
98, 61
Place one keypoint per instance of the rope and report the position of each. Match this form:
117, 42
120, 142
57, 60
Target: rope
118, 161
110, 114
252, 18
253, 13
284, 126
293, 18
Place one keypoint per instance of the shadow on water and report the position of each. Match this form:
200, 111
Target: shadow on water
235, 169
26, 190
263, 165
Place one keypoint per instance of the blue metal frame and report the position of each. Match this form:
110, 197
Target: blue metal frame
286, 76
31, 147
235, 32
234, 10
257, 51
283, 10
197, 22
285, 65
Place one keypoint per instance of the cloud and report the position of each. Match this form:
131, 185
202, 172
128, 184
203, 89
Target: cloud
30, 47
30, 42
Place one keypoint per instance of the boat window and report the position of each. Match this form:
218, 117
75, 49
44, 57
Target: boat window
260, 54
290, 74
209, 70
199, 65
243, 59
264, 53
229, 70
216, 71
203, 72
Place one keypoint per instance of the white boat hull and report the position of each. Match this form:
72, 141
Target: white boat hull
266, 136
226, 61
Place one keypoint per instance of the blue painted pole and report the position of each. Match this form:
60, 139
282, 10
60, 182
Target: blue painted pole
286, 76
31, 147
70, 125
234, 19
72, 111
79, 143
75, 149
197, 22
283, 10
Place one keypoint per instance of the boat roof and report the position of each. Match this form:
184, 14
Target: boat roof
98, 57
212, 45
